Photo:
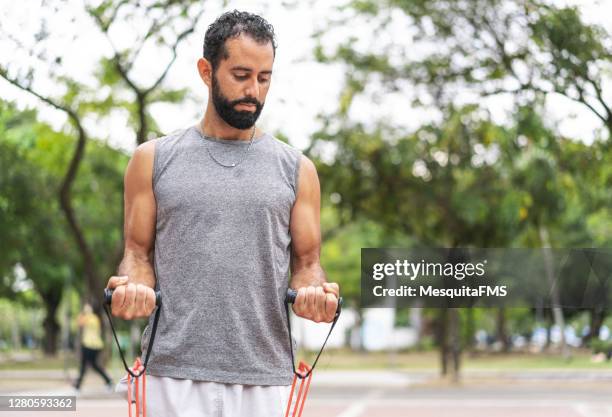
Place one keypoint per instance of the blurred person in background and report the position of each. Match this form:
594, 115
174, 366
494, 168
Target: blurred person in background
91, 345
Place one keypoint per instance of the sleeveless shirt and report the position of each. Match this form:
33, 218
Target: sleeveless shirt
221, 258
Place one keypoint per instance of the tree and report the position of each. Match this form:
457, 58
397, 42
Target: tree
167, 24
483, 48
457, 180
38, 239
442, 186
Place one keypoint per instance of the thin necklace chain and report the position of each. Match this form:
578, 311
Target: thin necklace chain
235, 164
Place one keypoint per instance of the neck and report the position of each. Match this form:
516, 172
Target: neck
214, 126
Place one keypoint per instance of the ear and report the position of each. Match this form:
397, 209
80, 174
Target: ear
205, 71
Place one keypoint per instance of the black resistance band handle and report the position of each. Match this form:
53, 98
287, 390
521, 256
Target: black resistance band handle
108, 296
292, 295
290, 299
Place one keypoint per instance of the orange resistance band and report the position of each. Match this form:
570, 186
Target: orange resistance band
141, 407
303, 369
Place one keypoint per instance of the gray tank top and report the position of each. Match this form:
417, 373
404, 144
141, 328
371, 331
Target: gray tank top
222, 250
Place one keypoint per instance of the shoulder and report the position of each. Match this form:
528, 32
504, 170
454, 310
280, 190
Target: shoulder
307, 167
145, 150
283, 146
298, 160
150, 147
141, 162
145, 154
300, 163
305, 172
307, 177
300, 170
175, 135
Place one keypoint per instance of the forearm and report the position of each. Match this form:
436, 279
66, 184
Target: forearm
305, 273
317, 299
138, 267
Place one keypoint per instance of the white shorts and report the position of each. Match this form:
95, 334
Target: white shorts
172, 397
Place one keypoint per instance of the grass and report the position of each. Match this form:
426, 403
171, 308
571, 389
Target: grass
36, 362
344, 359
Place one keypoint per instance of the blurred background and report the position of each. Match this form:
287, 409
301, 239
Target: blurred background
433, 123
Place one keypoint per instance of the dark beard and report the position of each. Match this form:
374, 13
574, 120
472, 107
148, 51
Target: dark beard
225, 108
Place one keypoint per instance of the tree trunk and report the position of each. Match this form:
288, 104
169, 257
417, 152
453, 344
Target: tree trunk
470, 329
15, 330
143, 125
93, 289
443, 340
416, 322
502, 331
557, 310
52, 299
455, 337
597, 316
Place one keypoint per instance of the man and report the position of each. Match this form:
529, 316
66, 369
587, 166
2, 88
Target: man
91, 346
216, 216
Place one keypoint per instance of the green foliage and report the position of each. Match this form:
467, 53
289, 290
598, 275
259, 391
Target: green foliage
465, 180
34, 158
488, 47
601, 346
434, 185
19, 318
341, 254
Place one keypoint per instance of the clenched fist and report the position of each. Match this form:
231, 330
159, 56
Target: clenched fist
130, 301
318, 304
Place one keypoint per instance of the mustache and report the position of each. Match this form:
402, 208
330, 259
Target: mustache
246, 100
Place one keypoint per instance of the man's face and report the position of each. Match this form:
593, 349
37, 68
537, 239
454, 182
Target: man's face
240, 83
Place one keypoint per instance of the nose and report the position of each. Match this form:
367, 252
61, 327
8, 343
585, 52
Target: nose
252, 88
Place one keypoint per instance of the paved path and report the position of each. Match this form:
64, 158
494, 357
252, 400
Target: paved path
382, 403
398, 394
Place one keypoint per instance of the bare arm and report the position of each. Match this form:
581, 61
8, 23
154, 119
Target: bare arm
140, 215
134, 296
317, 299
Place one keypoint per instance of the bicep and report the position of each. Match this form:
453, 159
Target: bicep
140, 206
305, 215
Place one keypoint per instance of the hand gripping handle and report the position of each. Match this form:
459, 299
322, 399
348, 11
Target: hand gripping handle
292, 295
108, 296
306, 372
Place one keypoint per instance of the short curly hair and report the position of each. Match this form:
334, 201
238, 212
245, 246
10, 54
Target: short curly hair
231, 25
